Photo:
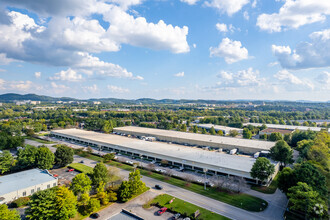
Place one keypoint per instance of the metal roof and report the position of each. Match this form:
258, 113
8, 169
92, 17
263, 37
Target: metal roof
239, 142
218, 127
289, 127
181, 153
22, 180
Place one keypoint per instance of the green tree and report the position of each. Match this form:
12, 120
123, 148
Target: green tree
44, 158
63, 155
112, 196
262, 169
6, 161
100, 174
282, 152
93, 205
65, 203
303, 147
124, 191
101, 194
81, 184
275, 136
42, 205
304, 199
135, 183
212, 131
204, 131
233, 133
108, 157
247, 134
195, 129
220, 132
26, 157
84, 199
6, 214
308, 173
286, 179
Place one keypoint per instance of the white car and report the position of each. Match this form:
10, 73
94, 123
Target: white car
129, 162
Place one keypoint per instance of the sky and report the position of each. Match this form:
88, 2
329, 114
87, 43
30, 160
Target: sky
179, 49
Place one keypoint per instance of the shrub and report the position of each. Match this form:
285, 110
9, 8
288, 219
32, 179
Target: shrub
23, 201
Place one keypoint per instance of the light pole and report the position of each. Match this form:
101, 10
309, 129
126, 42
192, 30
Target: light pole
205, 170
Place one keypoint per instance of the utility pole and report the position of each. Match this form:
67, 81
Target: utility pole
205, 170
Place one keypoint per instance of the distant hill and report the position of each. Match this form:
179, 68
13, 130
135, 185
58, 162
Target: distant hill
9, 97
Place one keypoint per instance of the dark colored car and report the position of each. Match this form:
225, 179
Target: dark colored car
82, 161
158, 187
162, 211
95, 215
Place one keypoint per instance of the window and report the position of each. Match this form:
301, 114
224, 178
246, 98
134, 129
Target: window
32, 191
48, 186
54, 184
38, 189
24, 193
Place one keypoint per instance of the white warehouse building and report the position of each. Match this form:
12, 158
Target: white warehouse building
201, 140
177, 155
25, 183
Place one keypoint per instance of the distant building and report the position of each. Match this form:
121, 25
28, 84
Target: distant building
269, 131
25, 183
226, 130
34, 102
80, 110
96, 103
288, 127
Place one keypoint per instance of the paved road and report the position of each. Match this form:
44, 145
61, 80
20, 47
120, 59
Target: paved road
274, 211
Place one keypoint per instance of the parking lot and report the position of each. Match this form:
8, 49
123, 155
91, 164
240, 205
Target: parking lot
64, 177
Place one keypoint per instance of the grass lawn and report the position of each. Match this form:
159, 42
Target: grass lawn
183, 207
264, 189
81, 168
243, 201
40, 140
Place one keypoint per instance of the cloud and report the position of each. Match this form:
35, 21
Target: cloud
324, 78
221, 27
231, 51
242, 78
37, 75
246, 15
58, 87
293, 82
69, 75
307, 54
91, 89
72, 35
180, 74
227, 6
190, 2
21, 85
294, 14
194, 45
117, 89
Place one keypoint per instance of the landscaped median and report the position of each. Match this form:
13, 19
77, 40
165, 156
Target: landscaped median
186, 209
81, 168
240, 200
42, 141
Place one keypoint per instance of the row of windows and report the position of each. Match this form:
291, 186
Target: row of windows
38, 189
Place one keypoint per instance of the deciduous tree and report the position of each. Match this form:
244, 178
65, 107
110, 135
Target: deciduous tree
100, 174
6, 214
45, 158
282, 152
81, 184
63, 155
262, 169
6, 161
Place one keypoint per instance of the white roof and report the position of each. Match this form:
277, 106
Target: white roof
234, 162
218, 127
239, 142
22, 180
290, 127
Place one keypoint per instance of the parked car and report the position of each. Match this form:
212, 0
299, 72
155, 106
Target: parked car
95, 215
82, 161
158, 187
129, 162
55, 175
162, 211
70, 170
176, 216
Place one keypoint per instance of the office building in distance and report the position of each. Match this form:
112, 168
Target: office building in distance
201, 140
24, 183
177, 155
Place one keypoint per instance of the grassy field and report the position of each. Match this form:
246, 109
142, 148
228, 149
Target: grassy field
81, 168
243, 201
40, 140
268, 190
183, 207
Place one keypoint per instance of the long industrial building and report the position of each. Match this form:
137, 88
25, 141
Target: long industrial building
289, 127
226, 130
201, 140
25, 183
177, 155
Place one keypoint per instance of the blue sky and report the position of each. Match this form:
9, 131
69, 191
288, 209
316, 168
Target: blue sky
192, 49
